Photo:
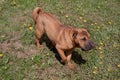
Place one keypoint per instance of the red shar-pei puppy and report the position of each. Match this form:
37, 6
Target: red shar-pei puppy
64, 38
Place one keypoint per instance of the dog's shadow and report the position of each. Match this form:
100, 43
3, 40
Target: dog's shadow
77, 58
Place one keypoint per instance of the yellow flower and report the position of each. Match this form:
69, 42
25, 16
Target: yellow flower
98, 7
77, 8
3, 36
84, 21
101, 43
114, 45
5, 67
107, 38
110, 22
95, 68
1, 55
24, 24
91, 23
118, 65
95, 72
98, 27
61, 12
95, 23
100, 48
14, 2
101, 52
66, 16
100, 62
48, 54
109, 69
80, 18
31, 28
101, 56
83, 14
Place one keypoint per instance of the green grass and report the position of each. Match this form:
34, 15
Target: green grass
21, 59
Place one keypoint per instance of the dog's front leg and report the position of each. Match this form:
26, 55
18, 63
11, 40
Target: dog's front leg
69, 55
62, 54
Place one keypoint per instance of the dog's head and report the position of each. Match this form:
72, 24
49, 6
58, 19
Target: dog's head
82, 39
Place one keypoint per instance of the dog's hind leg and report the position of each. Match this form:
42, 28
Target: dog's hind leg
38, 34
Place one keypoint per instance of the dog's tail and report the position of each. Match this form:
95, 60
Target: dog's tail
36, 12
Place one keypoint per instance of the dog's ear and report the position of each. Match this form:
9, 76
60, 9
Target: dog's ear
75, 33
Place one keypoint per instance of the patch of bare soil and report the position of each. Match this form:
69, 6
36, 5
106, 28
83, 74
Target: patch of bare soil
14, 46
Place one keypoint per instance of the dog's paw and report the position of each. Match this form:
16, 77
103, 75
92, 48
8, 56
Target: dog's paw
39, 46
71, 66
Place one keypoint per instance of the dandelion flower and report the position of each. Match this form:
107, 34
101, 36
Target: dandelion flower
77, 8
48, 54
14, 2
3, 36
95, 72
98, 7
95, 67
109, 69
92, 24
109, 22
101, 56
80, 18
61, 12
1, 55
25, 24
5, 67
101, 43
66, 16
30, 28
98, 27
101, 52
95, 23
114, 45
84, 21
107, 38
118, 65
100, 48
101, 62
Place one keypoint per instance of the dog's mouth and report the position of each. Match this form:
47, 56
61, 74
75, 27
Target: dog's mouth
86, 49
89, 46
83, 49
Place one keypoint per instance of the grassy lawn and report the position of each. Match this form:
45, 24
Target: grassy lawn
21, 60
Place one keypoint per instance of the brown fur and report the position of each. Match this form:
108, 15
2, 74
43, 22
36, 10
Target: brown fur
63, 37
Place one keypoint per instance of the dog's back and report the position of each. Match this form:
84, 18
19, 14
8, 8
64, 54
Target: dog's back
39, 12
46, 22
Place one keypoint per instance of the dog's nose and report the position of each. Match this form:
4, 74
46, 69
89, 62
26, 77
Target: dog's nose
89, 46
92, 45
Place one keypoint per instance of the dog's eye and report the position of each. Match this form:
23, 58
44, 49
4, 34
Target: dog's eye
84, 39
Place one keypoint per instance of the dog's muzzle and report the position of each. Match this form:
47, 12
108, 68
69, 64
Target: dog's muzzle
89, 46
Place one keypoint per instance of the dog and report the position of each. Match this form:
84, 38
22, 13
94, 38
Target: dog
64, 38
